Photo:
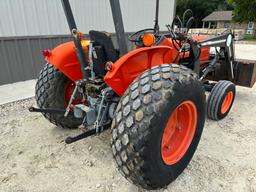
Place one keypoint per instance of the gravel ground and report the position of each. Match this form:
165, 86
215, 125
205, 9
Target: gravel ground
34, 158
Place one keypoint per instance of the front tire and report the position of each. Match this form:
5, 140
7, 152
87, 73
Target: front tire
220, 100
51, 88
142, 122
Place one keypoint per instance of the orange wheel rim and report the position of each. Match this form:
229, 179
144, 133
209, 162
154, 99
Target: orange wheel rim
227, 102
68, 90
179, 132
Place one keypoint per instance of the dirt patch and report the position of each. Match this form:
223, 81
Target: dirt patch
34, 158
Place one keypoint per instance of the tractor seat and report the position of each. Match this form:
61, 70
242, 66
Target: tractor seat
103, 39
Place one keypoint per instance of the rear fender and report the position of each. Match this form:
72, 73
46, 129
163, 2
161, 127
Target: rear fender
64, 58
131, 65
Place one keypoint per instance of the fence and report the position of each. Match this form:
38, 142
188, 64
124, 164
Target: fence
239, 33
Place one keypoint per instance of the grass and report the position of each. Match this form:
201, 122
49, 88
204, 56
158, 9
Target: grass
248, 37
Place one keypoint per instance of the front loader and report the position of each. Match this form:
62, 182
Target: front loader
152, 98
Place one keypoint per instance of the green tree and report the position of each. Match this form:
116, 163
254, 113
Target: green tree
244, 10
201, 8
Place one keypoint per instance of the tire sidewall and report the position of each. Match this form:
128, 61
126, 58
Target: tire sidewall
50, 90
58, 96
182, 93
231, 87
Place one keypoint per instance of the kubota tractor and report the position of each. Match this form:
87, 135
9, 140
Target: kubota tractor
152, 97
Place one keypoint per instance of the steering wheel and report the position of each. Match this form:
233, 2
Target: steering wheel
137, 36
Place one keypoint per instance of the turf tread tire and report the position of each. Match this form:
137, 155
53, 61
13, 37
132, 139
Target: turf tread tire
216, 98
49, 94
131, 130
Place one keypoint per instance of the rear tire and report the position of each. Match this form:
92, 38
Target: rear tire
50, 88
140, 120
221, 100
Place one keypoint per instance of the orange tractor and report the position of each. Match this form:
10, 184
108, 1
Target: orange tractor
152, 97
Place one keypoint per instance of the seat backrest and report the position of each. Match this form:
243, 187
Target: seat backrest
104, 39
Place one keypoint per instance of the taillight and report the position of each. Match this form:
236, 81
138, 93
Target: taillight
46, 53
